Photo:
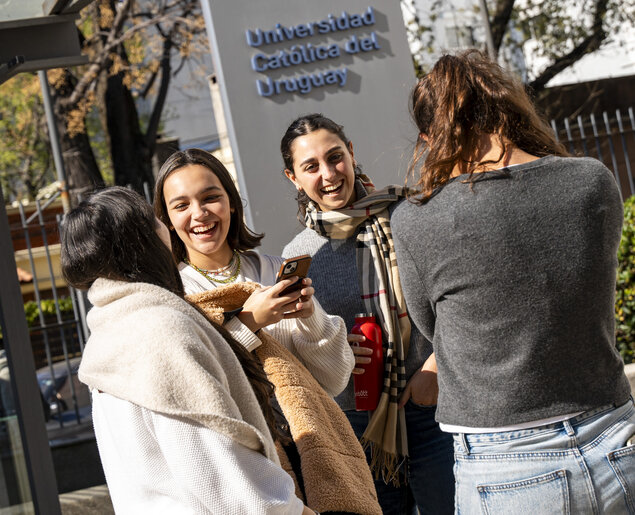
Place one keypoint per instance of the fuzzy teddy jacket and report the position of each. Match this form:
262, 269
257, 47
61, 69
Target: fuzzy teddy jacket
335, 474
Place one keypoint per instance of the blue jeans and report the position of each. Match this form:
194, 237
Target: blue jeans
581, 465
430, 486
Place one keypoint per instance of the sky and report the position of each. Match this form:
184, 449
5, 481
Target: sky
614, 60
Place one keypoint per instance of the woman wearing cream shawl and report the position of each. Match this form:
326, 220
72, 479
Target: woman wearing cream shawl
181, 414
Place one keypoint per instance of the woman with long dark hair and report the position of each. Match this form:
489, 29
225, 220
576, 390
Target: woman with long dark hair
508, 258
348, 235
180, 410
196, 198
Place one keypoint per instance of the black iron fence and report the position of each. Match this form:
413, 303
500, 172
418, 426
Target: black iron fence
609, 137
55, 315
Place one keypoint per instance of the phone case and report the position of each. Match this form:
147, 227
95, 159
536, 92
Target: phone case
296, 266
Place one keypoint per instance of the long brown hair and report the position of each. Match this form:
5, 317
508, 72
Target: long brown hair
112, 235
463, 98
239, 237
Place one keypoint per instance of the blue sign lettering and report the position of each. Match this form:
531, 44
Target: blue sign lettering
309, 53
302, 84
279, 33
295, 55
355, 44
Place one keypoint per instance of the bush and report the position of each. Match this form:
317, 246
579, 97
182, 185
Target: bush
32, 311
48, 308
625, 294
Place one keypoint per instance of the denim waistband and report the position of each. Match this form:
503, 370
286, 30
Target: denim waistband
595, 412
569, 425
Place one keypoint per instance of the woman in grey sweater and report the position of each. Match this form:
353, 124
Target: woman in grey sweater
348, 236
508, 261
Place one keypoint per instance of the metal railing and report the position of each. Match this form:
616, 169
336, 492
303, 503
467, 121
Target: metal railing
609, 137
58, 336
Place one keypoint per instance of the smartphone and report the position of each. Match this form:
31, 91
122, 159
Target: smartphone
296, 266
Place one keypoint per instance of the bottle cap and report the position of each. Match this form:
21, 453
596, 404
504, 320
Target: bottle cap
363, 315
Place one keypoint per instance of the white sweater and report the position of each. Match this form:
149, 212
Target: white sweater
163, 465
319, 341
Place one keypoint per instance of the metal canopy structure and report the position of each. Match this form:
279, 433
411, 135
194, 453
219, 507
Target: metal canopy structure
36, 36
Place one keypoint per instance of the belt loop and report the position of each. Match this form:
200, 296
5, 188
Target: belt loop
466, 446
568, 428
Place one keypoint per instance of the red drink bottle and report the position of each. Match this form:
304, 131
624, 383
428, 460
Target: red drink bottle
368, 385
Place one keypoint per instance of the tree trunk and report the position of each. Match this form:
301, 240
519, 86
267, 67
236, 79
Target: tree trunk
131, 159
82, 172
500, 21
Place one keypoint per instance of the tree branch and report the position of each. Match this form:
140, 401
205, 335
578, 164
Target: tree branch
180, 65
589, 44
148, 86
155, 118
101, 62
500, 21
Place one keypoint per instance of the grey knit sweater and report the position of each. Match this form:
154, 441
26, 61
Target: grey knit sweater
334, 274
513, 278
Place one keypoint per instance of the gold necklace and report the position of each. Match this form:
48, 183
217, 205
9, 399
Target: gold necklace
212, 275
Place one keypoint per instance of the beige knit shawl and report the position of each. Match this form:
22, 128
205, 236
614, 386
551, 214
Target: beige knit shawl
151, 348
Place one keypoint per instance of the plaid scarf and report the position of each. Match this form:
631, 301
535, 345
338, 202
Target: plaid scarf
368, 221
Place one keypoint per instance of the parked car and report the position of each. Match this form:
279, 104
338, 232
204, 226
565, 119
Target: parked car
58, 395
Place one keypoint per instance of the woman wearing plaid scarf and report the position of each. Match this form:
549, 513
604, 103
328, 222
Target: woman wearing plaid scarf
354, 270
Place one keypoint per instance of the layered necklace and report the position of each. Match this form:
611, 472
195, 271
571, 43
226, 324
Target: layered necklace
223, 275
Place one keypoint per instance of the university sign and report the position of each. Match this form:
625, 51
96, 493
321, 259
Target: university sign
277, 60
309, 53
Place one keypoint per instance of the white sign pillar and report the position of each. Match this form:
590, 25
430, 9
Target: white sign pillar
279, 60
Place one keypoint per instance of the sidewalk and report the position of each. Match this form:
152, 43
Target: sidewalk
94, 500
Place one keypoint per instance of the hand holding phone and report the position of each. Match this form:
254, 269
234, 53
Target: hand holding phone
296, 266
265, 306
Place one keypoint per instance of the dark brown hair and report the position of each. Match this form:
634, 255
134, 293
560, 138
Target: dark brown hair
239, 237
301, 127
463, 98
112, 235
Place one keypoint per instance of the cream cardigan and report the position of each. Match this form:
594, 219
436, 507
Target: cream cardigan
335, 474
